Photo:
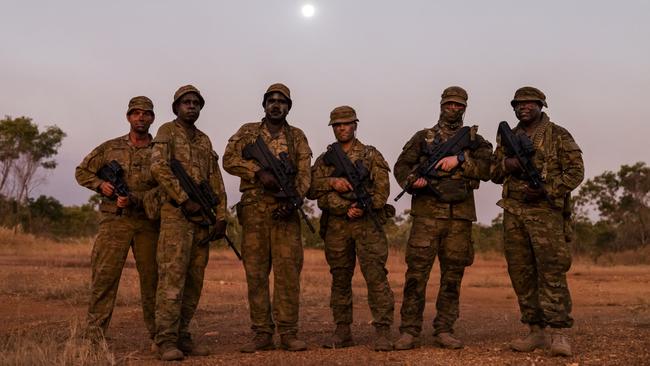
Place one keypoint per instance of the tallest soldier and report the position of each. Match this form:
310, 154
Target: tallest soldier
443, 209
270, 226
535, 246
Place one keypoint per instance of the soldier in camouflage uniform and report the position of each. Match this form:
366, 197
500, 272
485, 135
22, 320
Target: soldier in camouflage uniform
268, 241
123, 222
442, 220
536, 250
181, 260
349, 232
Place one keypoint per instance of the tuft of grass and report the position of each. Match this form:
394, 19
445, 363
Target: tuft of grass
61, 346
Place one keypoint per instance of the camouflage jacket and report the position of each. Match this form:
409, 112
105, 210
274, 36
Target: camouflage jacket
467, 176
135, 161
558, 159
378, 185
196, 156
290, 140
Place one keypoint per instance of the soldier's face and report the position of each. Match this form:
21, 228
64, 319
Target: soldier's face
344, 132
452, 111
140, 120
528, 111
189, 107
276, 106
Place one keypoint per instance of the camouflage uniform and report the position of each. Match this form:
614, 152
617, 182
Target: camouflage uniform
267, 241
346, 238
440, 228
119, 232
181, 262
537, 253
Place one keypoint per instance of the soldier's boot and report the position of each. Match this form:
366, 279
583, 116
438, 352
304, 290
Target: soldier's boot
169, 352
261, 342
188, 346
407, 341
447, 340
560, 344
341, 338
95, 335
382, 340
536, 338
291, 343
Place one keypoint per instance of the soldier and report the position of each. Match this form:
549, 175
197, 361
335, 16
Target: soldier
536, 250
123, 222
443, 210
349, 232
181, 257
268, 240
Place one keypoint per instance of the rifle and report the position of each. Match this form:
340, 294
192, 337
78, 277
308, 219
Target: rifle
202, 194
114, 174
282, 170
453, 146
520, 147
356, 174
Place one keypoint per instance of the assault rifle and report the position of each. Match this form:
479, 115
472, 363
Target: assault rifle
452, 147
520, 147
114, 174
202, 194
282, 170
356, 174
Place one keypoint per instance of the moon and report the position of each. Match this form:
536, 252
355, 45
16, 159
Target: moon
308, 10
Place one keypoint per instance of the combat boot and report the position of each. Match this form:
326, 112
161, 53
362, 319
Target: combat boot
382, 340
407, 341
261, 342
188, 347
291, 343
447, 340
169, 352
341, 338
536, 338
560, 343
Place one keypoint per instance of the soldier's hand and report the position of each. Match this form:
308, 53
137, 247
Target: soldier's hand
220, 229
190, 207
419, 183
533, 195
354, 212
340, 185
447, 163
267, 179
512, 165
123, 201
107, 189
284, 210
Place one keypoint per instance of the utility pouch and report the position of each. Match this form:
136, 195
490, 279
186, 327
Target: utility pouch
452, 190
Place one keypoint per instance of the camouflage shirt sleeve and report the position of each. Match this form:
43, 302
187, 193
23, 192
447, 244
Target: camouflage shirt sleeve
86, 172
497, 168
233, 162
379, 176
320, 175
303, 163
571, 165
216, 182
408, 159
477, 161
160, 165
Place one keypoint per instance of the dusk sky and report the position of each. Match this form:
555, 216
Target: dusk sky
77, 63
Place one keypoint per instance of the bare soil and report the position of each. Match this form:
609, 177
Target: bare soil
45, 291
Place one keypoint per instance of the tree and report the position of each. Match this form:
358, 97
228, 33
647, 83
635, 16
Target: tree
23, 150
622, 201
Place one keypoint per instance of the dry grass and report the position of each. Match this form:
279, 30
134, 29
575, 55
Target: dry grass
60, 346
21, 244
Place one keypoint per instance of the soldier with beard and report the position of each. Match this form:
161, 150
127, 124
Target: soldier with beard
443, 211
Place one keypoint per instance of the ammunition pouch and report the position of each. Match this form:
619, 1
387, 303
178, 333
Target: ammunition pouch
451, 190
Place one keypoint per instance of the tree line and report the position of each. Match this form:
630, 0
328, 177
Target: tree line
611, 210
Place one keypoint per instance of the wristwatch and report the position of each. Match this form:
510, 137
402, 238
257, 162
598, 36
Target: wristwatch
461, 158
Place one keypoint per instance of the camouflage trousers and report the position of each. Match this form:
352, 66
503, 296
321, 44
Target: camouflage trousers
271, 243
451, 240
181, 267
344, 241
116, 235
538, 259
